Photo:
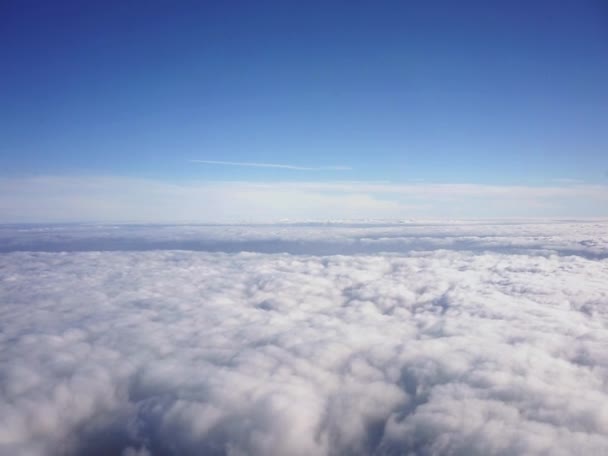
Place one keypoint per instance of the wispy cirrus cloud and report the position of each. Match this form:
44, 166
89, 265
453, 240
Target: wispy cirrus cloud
272, 165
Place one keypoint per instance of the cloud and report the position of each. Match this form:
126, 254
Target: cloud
119, 199
170, 352
273, 165
566, 237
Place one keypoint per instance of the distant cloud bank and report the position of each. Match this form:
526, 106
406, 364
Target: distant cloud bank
447, 351
120, 199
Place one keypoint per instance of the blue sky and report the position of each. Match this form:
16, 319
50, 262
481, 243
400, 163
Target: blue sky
487, 93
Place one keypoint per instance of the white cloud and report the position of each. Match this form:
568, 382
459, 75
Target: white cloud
114, 199
183, 352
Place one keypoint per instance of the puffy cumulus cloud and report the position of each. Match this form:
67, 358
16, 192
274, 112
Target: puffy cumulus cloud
188, 353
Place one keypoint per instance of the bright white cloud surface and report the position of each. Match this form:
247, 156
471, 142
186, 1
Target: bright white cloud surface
461, 339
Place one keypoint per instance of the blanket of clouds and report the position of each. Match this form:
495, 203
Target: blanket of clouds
380, 338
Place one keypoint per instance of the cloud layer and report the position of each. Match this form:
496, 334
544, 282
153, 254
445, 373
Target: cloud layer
119, 199
188, 352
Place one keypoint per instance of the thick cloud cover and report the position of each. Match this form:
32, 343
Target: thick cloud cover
445, 350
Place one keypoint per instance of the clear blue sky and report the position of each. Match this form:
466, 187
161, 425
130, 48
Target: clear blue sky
484, 92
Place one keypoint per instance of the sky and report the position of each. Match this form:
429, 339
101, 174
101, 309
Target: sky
477, 98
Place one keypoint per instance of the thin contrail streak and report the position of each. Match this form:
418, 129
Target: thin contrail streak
274, 165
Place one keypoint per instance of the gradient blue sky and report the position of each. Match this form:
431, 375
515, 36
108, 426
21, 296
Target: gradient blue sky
496, 93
